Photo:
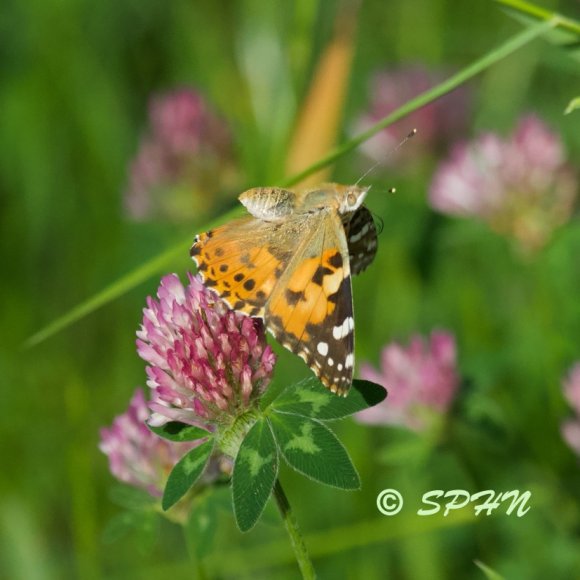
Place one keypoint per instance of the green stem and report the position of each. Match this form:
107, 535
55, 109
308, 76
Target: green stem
154, 266
542, 14
164, 260
293, 530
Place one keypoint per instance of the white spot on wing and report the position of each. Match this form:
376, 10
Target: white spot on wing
322, 348
342, 330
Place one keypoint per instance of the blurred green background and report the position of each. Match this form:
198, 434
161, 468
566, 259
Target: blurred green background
75, 80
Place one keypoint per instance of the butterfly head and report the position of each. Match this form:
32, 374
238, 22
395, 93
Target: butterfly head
346, 199
350, 198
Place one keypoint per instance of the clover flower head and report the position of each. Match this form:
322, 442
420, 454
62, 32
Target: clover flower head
421, 378
207, 364
521, 186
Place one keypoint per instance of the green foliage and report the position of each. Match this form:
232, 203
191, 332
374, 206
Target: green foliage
488, 572
289, 427
572, 106
185, 473
534, 12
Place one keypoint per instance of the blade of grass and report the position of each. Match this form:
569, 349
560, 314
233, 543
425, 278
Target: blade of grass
114, 290
487, 571
163, 261
572, 106
540, 13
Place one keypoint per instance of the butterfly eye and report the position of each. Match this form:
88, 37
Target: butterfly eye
351, 198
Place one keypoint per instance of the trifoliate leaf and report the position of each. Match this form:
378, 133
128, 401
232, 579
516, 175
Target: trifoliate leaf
311, 448
311, 399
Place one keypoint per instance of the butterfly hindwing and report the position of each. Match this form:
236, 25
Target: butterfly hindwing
361, 236
310, 310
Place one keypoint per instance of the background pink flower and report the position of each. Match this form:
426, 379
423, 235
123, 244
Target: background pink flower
421, 379
521, 186
136, 455
437, 123
184, 162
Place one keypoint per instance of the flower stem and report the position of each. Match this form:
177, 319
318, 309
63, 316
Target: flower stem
296, 538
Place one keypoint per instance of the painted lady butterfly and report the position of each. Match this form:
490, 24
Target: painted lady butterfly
290, 263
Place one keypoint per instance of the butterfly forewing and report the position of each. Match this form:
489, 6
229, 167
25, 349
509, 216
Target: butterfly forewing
241, 262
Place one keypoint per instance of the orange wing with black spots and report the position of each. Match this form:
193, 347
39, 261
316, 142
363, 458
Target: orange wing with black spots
241, 262
310, 310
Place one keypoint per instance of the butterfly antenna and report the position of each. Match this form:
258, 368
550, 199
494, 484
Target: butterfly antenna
389, 154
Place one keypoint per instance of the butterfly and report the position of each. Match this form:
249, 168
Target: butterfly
290, 263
